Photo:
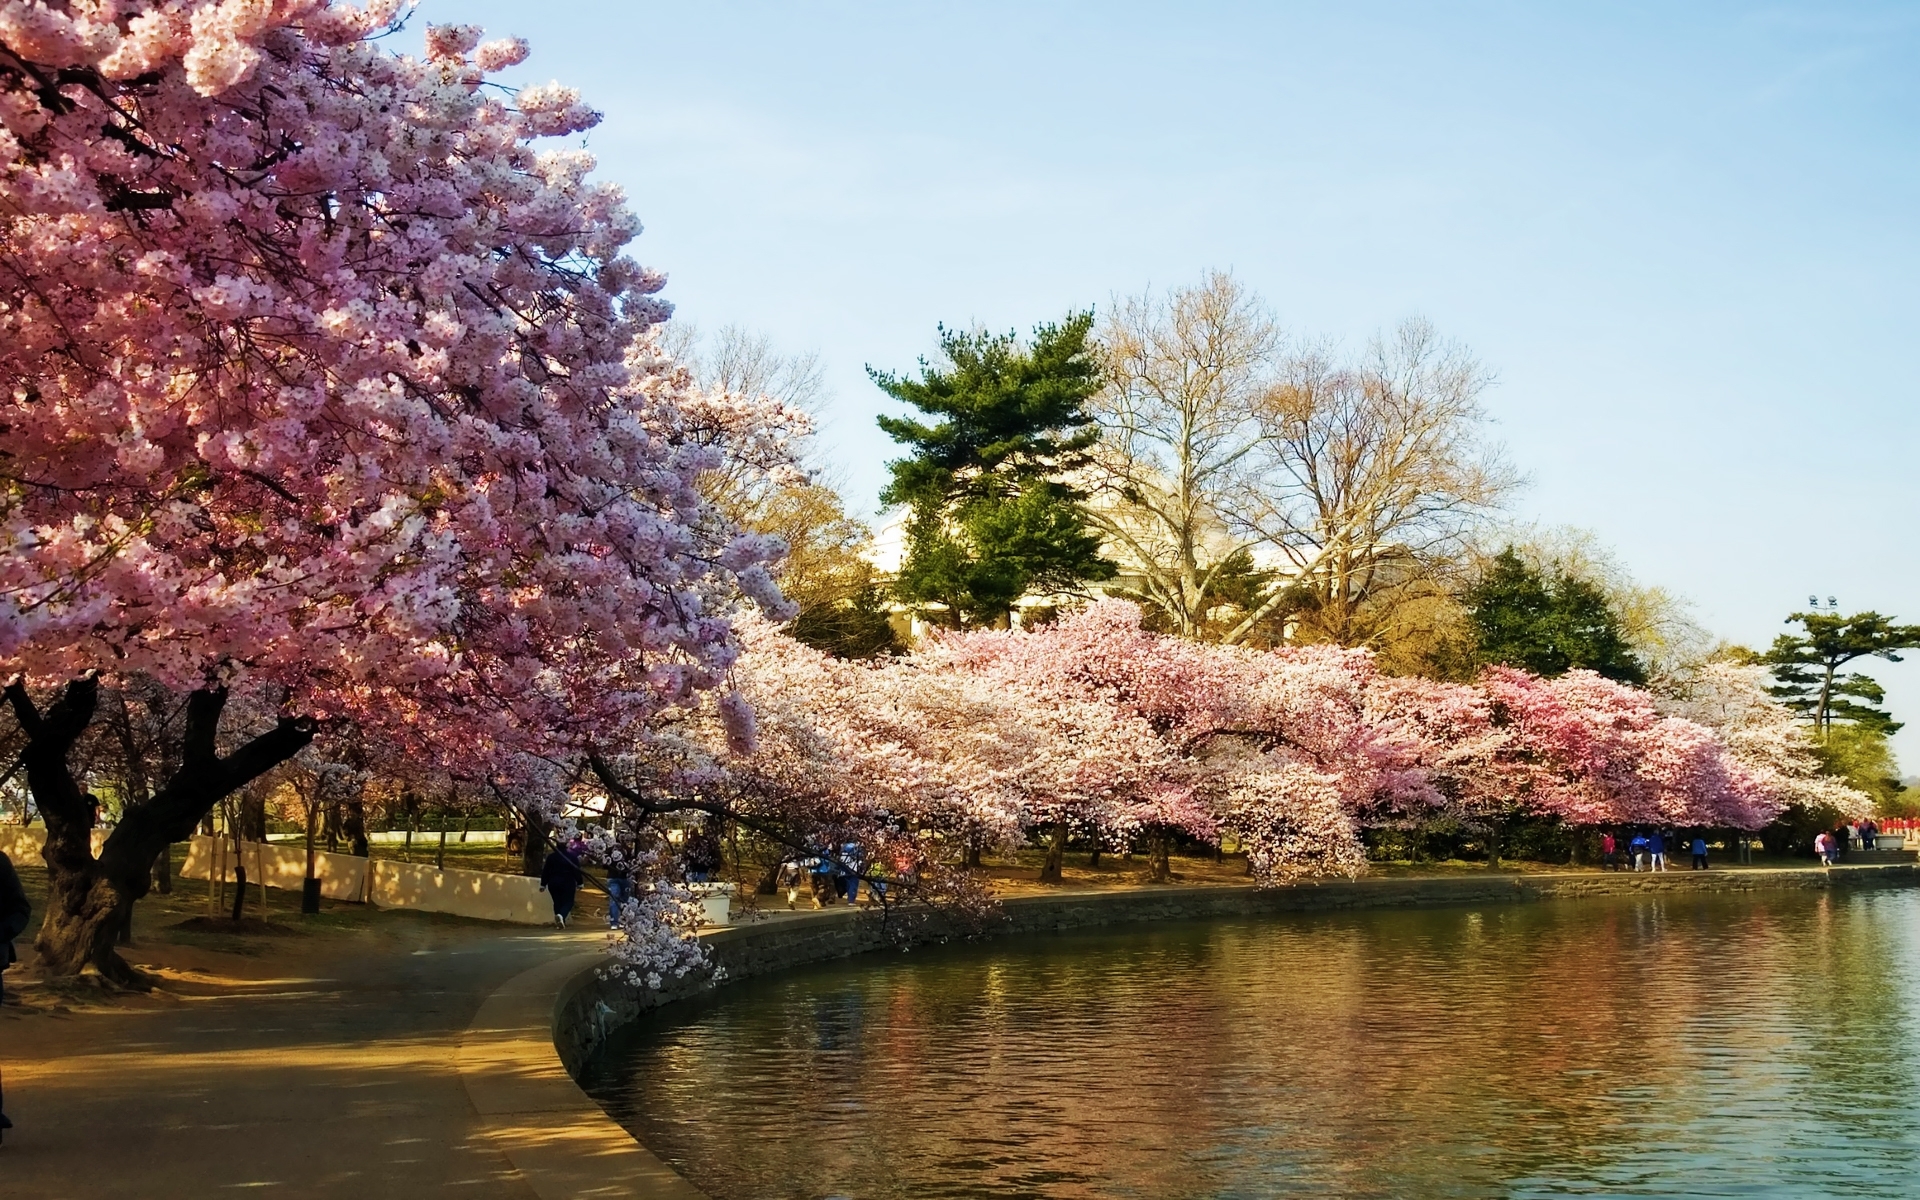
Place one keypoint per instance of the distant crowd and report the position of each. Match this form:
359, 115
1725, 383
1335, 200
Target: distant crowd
1647, 851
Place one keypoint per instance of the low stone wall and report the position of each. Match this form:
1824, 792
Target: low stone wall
341, 876
589, 1007
486, 895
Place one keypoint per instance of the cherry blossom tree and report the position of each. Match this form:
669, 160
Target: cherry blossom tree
1294, 750
904, 764
324, 383
1762, 735
1593, 751
1275, 746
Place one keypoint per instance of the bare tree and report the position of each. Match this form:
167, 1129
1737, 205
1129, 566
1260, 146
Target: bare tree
1371, 475
1225, 452
1186, 374
766, 407
745, 363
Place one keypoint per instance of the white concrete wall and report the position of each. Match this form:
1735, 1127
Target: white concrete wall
22, 843
341, 876
487, 895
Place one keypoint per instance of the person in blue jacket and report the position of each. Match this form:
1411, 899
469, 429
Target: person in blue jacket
1657, 850
1699, 848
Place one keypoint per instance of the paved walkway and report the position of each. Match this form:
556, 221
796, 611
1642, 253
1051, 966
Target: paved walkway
344, 1086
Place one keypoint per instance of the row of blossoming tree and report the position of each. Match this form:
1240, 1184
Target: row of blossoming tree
1094, 725
334, 414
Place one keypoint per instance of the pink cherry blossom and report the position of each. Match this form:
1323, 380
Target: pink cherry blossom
326, 380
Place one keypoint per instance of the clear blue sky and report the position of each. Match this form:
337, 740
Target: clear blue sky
1683, 236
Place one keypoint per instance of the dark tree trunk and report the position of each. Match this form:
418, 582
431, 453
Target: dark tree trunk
354, 826
239, 876
90, 900
310, 882
973, 853
1159, 867
1050, 871
1093, 858
769, 883
163, 871
253, 815
533, 846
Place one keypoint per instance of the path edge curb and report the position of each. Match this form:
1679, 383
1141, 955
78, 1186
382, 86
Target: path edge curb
562, 1144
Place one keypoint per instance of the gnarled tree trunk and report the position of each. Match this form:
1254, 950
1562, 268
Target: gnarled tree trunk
90, 899
1050, 871
1159, 864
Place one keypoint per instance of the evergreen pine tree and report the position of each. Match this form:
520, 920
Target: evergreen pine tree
1807, 667
994, 515
1547, 623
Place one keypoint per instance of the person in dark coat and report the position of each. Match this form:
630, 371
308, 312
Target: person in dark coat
701, 854
14, 912
560, 878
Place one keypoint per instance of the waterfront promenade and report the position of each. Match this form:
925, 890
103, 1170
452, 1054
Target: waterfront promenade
414, 1057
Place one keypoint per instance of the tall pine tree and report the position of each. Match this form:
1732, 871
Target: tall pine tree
1807, 667
1547, 623
993, 514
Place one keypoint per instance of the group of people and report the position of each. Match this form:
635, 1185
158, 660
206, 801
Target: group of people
1830, 844
564, 872
835, 877
829, 878
1647, 851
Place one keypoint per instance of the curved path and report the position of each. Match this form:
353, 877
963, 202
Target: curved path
342, 1086
559, 1141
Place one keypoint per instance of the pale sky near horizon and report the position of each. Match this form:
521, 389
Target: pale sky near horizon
1682, 236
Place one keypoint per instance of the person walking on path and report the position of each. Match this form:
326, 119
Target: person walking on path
1699, 848
560, 878
1823, 848
1657, 850
1607, 846
701, 854
14, 914
1638, 848
619, 882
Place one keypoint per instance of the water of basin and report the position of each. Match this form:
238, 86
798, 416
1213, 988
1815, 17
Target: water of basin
1759, 1045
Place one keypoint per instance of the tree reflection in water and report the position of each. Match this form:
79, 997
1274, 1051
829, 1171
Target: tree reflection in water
1709, 1045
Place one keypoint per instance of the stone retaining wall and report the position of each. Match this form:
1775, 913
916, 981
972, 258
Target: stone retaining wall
590, 1007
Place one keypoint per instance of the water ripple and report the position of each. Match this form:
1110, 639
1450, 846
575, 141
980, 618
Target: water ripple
1757, 1045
